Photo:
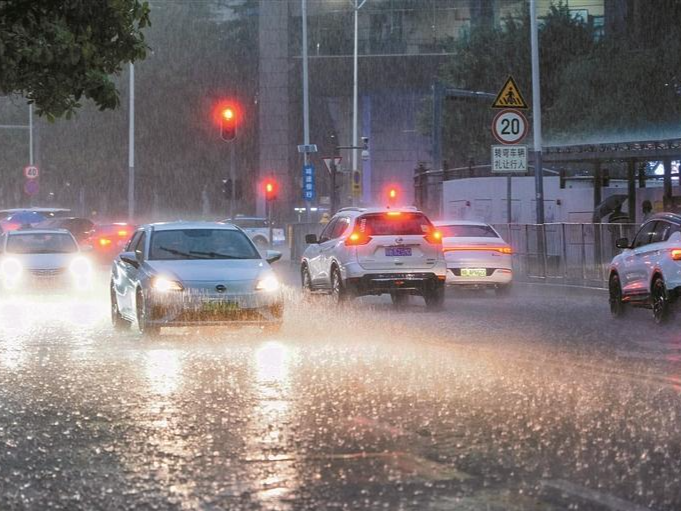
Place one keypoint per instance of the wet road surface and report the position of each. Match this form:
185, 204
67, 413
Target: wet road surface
537, 400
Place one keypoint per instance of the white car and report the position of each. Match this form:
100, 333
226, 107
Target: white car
194, 273
647, 273
258, 230
476, 255
43, 260
373, 251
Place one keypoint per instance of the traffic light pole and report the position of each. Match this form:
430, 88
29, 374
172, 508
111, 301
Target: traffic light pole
268, 214
232, 176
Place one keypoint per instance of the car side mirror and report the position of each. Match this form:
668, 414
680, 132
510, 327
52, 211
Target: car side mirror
130, 258
272, 256
311, 239
622, 243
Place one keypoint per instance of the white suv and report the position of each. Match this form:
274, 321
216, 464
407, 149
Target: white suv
648, 271
373, 251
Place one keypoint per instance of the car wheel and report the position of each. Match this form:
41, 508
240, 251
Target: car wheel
117, 320
399, 299
617, 307
660, 301
306, 281
339, 293
503, 290
142, 317
435, 297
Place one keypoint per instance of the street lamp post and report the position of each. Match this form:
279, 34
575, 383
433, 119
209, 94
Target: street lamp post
536, 114
306, 100
131, 146
357, 6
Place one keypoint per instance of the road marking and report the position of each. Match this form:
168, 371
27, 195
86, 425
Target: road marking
602, 499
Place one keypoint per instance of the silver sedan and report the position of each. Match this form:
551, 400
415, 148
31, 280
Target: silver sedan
198, 273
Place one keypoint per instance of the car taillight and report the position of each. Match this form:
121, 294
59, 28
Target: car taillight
676, 254
11, 227
434, 237
104, 242
357, 238
122, 234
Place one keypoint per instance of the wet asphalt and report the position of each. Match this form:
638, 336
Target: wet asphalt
538, 400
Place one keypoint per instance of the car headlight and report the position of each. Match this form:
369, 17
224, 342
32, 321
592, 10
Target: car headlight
11, 269
269, 284
165, 285
80, 267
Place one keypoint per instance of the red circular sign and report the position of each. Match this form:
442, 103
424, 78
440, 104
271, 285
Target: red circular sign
509, 126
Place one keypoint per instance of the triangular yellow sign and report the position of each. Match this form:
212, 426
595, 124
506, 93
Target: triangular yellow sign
510, 96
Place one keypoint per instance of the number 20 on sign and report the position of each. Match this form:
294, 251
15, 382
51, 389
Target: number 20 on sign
509, 126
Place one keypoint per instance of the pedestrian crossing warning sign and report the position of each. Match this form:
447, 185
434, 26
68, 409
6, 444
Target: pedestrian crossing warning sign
510, 96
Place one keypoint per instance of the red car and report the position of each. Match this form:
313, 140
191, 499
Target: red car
109, 240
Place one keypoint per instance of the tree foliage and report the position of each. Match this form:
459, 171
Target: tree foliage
57, 52
624, 86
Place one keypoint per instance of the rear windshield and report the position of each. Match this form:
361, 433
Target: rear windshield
41, 244
201, 244
383, 224
467, 231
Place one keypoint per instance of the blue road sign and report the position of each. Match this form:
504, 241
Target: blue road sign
309, 184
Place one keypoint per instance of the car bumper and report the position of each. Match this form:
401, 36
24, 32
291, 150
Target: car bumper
495, 277
31, 284
187, 309
379, 283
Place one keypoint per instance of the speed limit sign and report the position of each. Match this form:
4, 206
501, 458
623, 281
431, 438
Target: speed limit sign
31, 172
509, 126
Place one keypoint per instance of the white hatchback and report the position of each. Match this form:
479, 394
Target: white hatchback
374, 251
476, 255
647, 273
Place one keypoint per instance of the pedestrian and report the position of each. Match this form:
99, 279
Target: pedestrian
647, 209
325, 218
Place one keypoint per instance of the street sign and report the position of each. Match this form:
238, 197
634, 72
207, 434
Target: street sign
509, 96
356, 183
309, 185
331, 160
31, 172
509, 126
31, 187
307, 148
509, 159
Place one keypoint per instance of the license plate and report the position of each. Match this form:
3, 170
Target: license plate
397, 251
220, 306
473, 272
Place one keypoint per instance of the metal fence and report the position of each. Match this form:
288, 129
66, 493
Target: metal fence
565, 253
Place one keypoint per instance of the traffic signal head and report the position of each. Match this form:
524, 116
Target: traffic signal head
270, 187
227, 188
392, 194
228, 123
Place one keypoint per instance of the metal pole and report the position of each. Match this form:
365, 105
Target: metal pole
536, 114
306, 100
268, 204
509, 198
131, 147
30, 134
232, 176
354, 96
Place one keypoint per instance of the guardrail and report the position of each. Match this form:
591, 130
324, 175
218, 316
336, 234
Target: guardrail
560, 253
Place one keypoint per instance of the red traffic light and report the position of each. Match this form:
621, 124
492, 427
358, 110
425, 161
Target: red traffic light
392, 194
228, 114
228, 124
270, 187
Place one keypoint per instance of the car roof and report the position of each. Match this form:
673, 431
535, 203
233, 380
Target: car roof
671, 217
459, 222
18, 232
173, 226
36, 210
357, 211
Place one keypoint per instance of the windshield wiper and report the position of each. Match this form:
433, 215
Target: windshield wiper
217, 255
178, 253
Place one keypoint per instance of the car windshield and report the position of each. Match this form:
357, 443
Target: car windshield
201, 244
41, 243
467, 231
394, 224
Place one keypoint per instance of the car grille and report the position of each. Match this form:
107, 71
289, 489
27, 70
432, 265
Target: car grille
47, 273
